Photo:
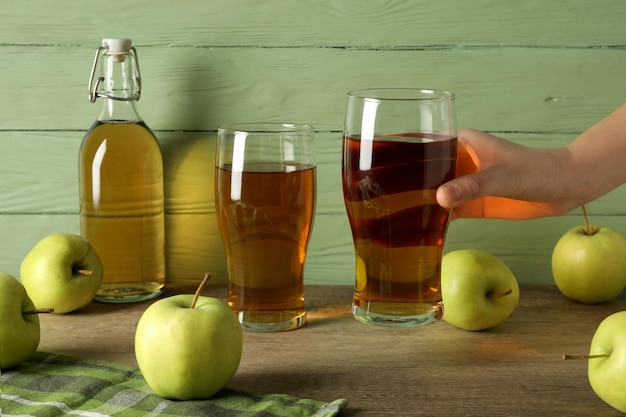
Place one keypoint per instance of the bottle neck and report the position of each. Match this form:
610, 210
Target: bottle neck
119, 88
116, 110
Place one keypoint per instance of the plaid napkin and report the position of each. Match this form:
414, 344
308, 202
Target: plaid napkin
50, 385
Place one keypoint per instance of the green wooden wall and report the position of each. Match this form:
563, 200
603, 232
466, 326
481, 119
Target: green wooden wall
534, 71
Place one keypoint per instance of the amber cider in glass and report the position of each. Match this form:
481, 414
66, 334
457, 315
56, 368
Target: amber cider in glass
265, 215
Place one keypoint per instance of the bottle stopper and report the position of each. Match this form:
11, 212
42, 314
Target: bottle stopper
118, 47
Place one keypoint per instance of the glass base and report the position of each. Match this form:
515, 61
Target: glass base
125, 292
271, 321
386, 319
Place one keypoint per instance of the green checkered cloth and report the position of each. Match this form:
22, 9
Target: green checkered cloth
50, 385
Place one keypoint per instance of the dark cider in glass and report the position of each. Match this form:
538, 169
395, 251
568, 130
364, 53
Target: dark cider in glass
398, 229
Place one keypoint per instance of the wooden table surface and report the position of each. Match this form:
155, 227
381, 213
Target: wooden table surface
514, 369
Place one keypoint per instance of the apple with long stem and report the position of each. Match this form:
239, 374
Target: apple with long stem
606, 369
188, 346
589, 263
19, 322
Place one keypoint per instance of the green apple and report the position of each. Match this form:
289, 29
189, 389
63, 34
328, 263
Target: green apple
62, 271
188, 347
589, 263
19, 325
479, 291
606, 369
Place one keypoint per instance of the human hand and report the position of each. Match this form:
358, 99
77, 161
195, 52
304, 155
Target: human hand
500, 179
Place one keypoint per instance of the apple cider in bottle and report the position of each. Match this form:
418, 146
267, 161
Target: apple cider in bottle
121, 182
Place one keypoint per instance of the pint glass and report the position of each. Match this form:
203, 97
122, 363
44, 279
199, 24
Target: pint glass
399, 145
265, 196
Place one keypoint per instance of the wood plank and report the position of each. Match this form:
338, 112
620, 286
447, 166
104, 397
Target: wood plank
31, 181
521, 89
39, 172
514, 369
276, 23
193, 245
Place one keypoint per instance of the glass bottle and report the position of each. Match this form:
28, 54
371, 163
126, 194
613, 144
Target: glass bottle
121, 182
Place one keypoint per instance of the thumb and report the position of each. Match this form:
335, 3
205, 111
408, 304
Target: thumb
465, 189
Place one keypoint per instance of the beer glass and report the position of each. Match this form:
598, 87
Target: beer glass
265, 196
399, 145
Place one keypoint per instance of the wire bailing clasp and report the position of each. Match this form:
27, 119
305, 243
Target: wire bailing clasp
93, 86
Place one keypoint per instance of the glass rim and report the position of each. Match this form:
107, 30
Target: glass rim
401, 93
266, 128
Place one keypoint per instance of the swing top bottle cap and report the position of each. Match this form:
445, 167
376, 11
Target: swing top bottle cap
117, 45
115, 50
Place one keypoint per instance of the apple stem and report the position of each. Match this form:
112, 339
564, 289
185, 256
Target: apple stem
207, 276
38, 311
499, 294
84, 271
600, 355
588, 230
